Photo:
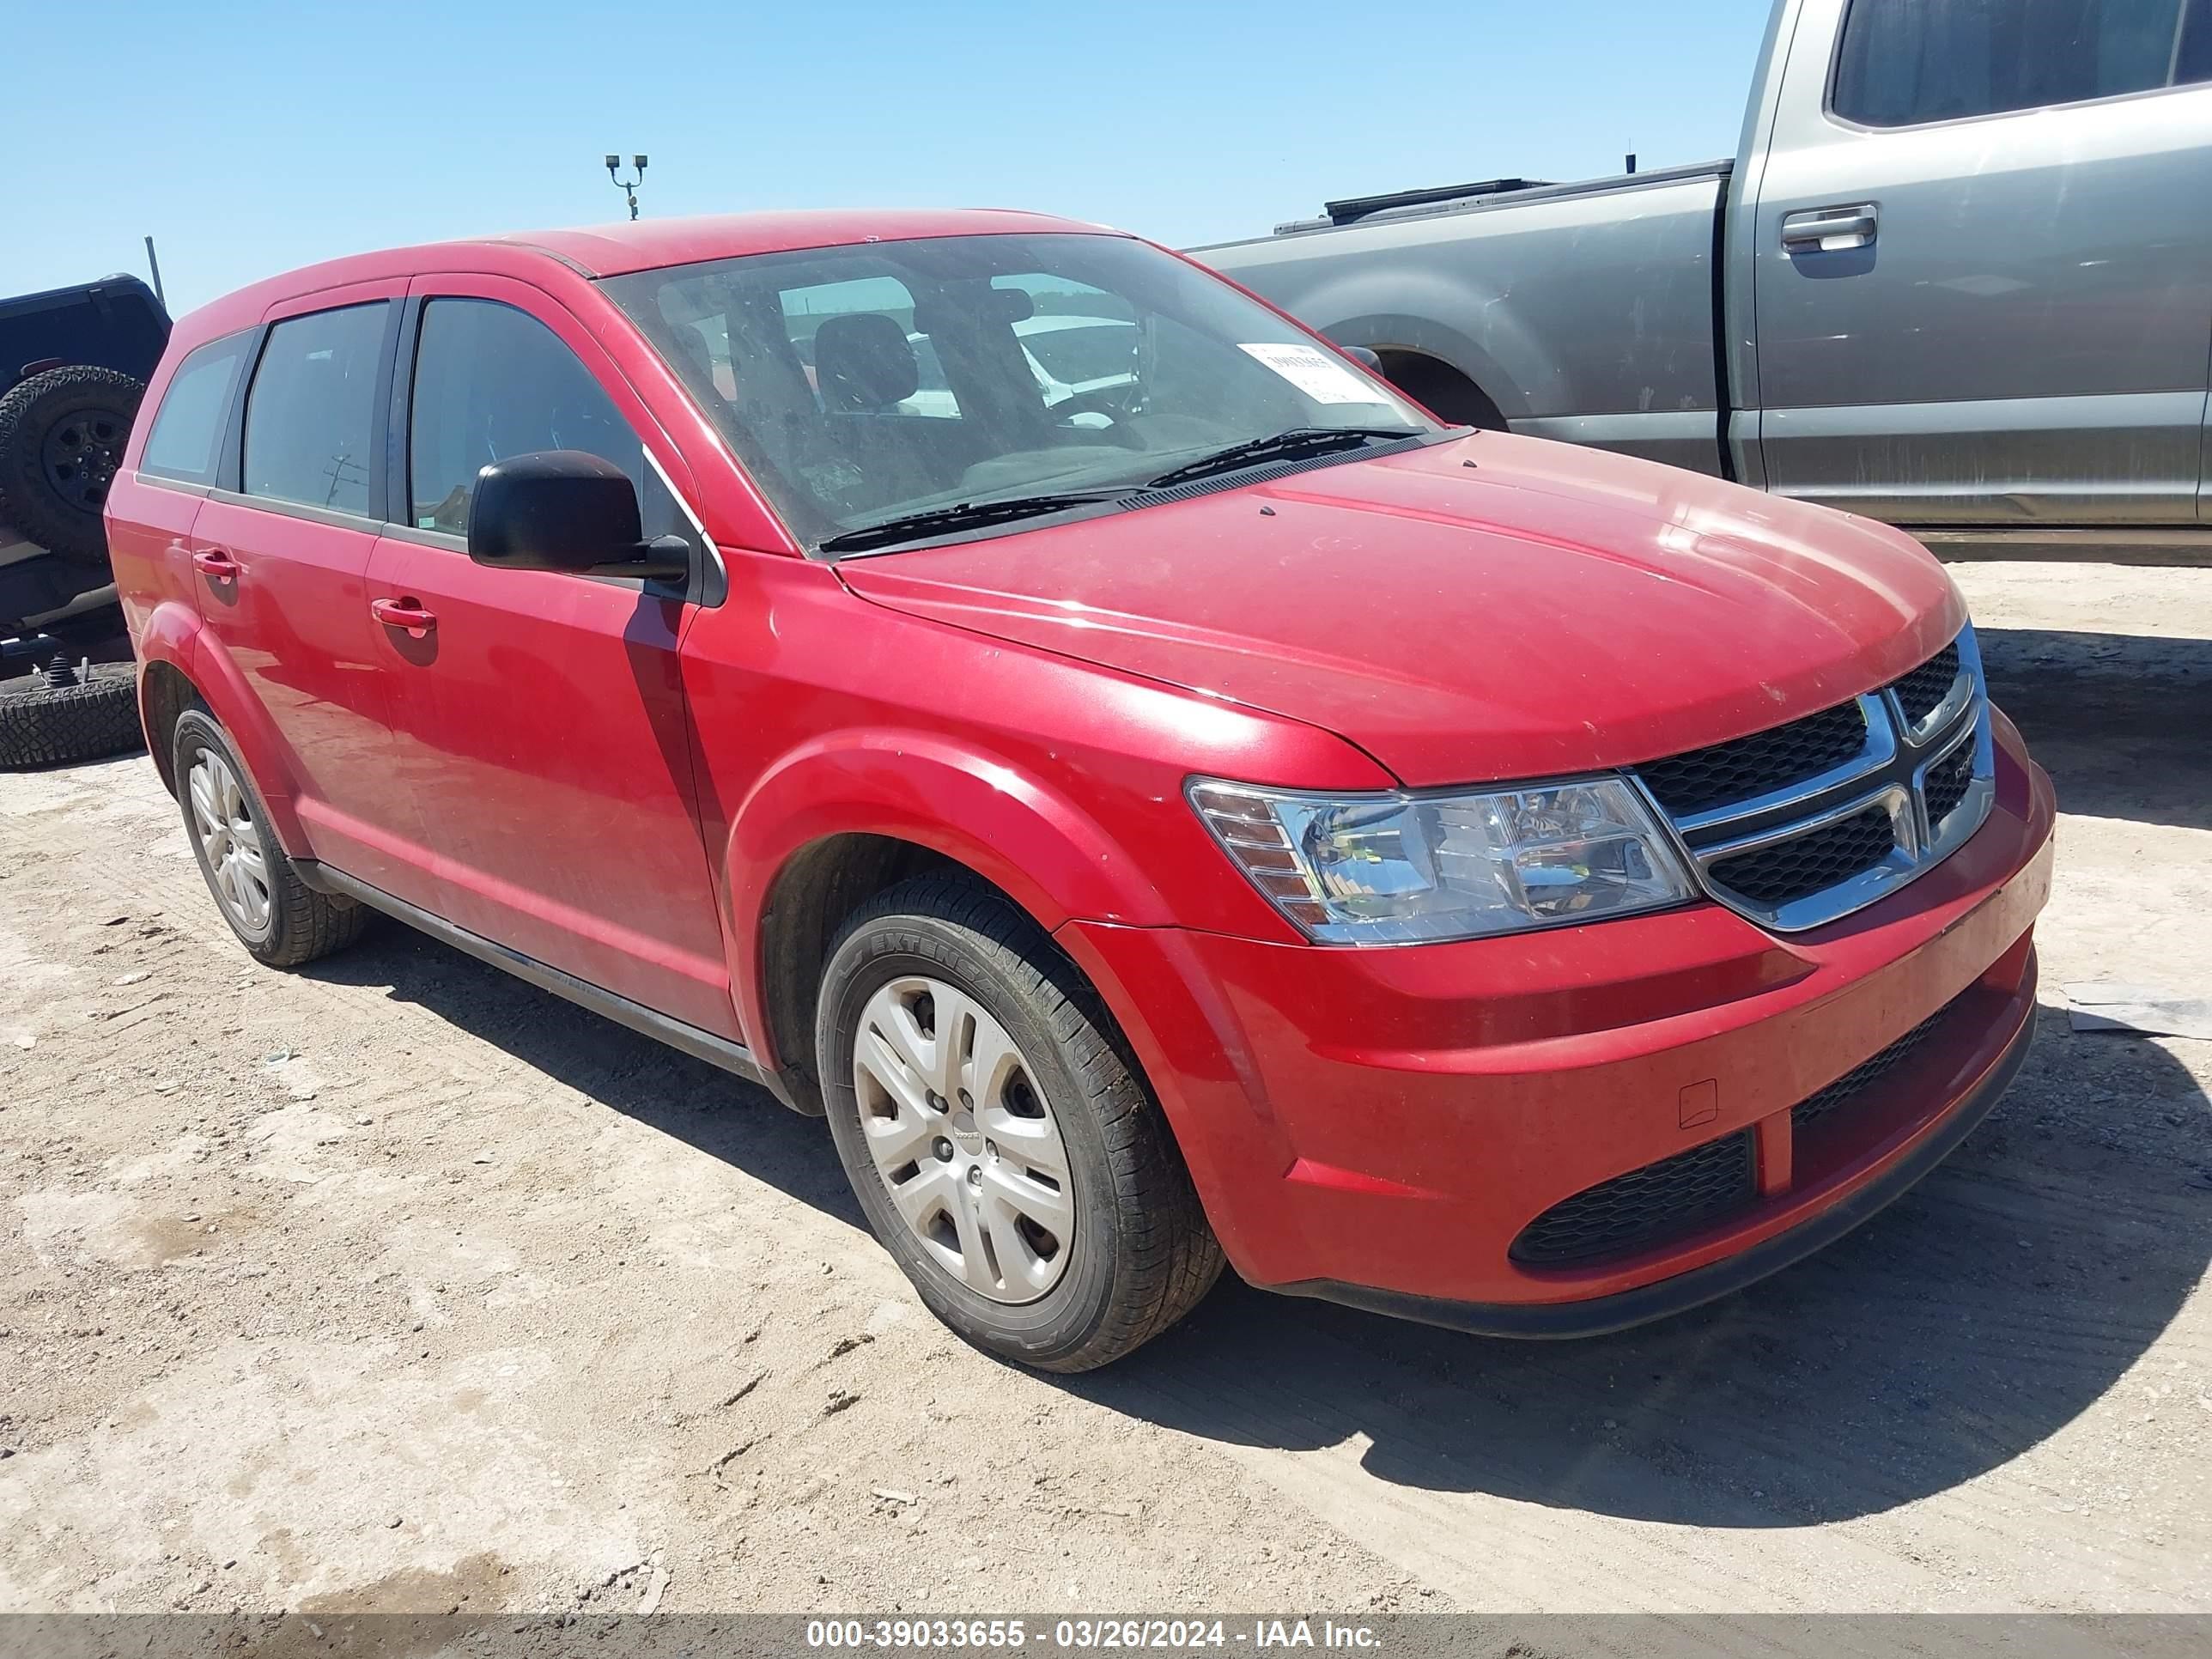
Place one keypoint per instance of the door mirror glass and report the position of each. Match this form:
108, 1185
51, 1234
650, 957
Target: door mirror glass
1364, 356
562, 509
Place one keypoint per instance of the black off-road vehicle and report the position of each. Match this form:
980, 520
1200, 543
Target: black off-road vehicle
73, 366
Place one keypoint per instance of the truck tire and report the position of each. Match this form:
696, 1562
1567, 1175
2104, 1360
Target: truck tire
62, 434
50, 718
280, 920
1015, 1165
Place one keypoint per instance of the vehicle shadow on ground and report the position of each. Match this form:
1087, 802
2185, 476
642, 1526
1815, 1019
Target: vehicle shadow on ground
1974, 1319
2120, 722
739, 1122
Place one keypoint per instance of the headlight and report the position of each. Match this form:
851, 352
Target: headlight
1395, 869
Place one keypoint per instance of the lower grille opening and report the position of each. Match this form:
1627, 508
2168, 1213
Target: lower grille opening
1668, 1199
1799, 868
1863, 1076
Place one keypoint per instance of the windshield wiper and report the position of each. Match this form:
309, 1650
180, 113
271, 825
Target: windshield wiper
963, 515
1282, 445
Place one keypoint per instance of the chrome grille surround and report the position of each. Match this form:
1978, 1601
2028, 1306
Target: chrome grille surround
1889, 773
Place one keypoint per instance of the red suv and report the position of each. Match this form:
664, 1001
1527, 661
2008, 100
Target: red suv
1180, 804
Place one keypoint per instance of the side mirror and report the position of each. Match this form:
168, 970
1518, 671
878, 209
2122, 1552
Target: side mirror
1365, 358
562, 509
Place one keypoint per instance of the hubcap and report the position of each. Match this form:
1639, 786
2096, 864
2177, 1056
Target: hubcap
229, 844
81, 454
966, 1145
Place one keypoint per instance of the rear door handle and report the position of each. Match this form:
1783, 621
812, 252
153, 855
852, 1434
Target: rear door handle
404, 613
218, 565
1829, 230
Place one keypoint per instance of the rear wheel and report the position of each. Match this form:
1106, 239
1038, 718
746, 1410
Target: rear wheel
278, 917
1003, 1149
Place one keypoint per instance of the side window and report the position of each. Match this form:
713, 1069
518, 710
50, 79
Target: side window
491, 382
1905, 62
188, 427
311, 417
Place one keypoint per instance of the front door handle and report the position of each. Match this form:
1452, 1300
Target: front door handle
404, 613
1828, 230
216, 565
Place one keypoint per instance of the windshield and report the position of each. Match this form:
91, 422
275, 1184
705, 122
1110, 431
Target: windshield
865, 385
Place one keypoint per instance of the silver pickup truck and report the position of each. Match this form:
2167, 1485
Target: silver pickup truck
1958, 277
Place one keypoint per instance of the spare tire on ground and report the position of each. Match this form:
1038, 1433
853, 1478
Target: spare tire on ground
62, 434
70, 712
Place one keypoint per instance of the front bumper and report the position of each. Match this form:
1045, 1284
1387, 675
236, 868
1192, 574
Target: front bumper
1380, 1126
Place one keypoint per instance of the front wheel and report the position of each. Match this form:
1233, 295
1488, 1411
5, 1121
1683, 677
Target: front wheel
1003, 1150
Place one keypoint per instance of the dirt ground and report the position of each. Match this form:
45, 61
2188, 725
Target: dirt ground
397, 1284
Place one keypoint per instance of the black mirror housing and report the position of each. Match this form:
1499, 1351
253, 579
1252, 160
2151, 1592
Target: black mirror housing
565, 510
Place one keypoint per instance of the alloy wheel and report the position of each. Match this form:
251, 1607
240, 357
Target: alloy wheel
230, 843
967, 1147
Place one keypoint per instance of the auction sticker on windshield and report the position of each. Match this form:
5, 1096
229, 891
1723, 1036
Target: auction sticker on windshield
1322, 377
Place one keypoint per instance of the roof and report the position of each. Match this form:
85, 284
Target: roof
609, 250
643, 245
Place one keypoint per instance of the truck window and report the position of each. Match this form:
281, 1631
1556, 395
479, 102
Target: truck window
492, 382
188, 427
1905, 62
310, 413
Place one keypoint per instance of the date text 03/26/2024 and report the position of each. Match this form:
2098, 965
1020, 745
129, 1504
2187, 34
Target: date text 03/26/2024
1150, 1634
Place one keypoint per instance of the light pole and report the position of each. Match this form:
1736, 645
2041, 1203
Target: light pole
629, 189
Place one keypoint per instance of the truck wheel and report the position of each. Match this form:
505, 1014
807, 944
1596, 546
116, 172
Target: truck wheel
279, 919
1005, 1152
53, 716
61, 434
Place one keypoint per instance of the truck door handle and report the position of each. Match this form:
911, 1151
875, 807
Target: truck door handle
1828, 230
216, 565
404, 613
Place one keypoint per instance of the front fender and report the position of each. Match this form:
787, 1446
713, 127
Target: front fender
1052, 858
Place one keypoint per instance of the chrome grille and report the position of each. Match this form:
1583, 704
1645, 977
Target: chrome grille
1948, 780
1799, 825
1812, 863
1751, 766
1921, 692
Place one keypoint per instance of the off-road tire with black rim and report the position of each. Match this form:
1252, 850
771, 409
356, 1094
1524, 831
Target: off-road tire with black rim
300, 924
93, 715
1141, 1255
62, 434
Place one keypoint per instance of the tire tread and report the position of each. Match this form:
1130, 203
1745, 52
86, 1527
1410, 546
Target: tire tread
53, 725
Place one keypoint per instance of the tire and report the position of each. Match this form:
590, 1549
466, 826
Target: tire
42, 724
61, 440
295, 925
1139, 1254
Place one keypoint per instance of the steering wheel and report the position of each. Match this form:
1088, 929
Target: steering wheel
1103, 401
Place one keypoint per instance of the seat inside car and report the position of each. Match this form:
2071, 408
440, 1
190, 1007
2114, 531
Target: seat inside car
864, 367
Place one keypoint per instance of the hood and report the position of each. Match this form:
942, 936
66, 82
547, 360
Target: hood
1489, 607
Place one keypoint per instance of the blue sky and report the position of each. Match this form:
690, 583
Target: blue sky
252, 137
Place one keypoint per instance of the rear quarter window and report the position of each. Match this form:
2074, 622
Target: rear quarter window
311, 421
186, 440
